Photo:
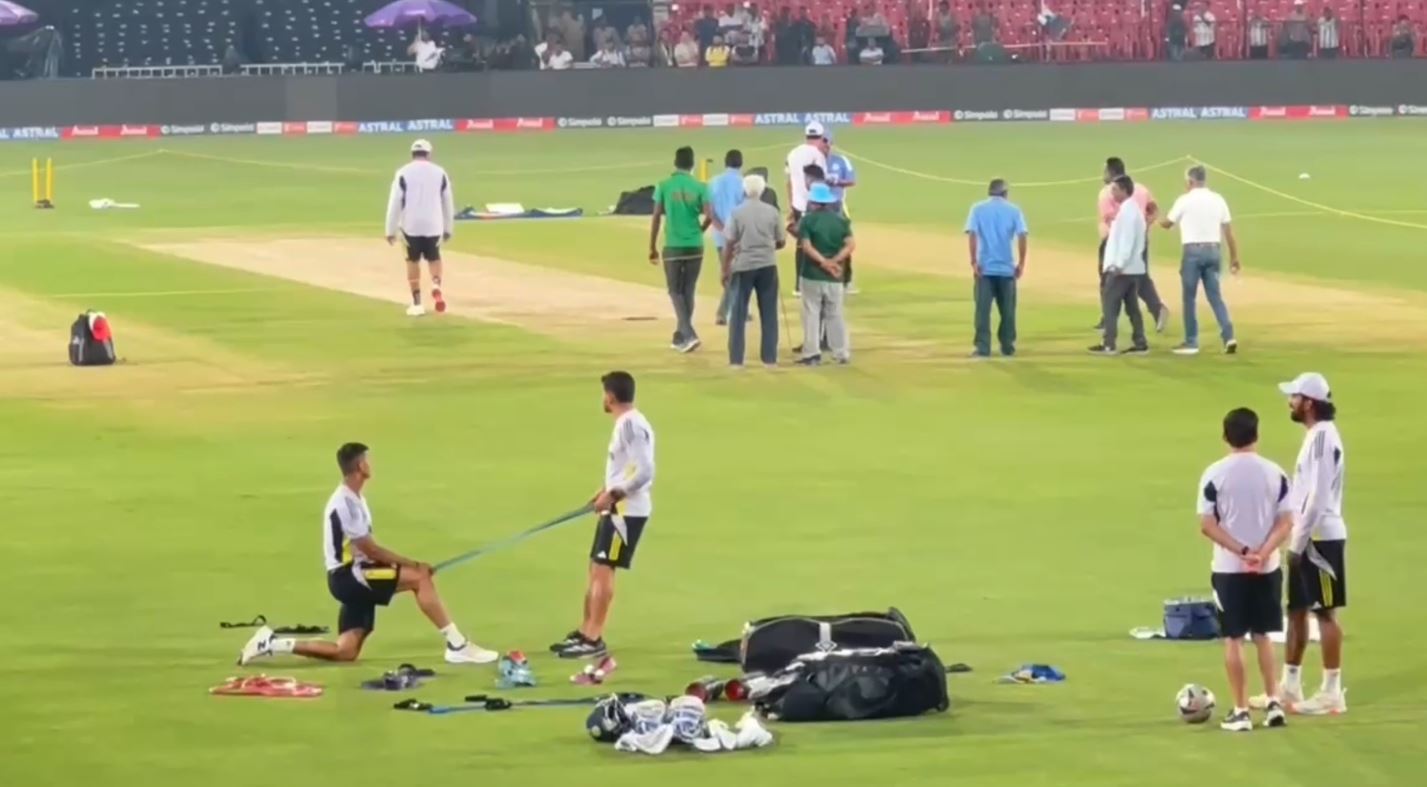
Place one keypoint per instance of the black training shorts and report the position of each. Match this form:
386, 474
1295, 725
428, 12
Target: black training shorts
1310, 587
616, 538
1249, 603
423, 247
359, 601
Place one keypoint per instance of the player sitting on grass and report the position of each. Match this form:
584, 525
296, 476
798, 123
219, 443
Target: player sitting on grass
363, 575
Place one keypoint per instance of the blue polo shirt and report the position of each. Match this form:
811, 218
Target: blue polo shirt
996, 222
840, 174
725, 194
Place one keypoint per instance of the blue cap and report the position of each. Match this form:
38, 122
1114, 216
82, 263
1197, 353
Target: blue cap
827, 137
821, 193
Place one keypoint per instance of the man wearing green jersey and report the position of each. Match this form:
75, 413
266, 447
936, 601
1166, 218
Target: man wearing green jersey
827, 244
683, 208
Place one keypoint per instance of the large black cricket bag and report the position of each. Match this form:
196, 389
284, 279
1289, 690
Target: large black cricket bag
639, 202
773, 643
91, 340
852, 685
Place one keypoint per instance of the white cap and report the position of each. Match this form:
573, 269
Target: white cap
421, 146
814, 129
1309, 384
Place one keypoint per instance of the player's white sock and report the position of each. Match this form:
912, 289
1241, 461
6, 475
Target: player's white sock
454, 639
283, 644
1293, 677
1332, 681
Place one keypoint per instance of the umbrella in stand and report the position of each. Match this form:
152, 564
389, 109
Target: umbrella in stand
15, 14
404, 13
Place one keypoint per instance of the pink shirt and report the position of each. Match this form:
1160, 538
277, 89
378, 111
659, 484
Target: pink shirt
1108, 208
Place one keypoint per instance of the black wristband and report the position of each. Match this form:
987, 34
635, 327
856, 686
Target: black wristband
1244, 550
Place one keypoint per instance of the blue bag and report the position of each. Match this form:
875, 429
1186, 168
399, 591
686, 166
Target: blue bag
1190, 619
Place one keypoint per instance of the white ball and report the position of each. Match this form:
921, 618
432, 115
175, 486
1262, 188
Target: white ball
1195, 704
1304, 176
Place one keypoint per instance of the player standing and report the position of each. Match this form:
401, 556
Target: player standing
422, 208
625, 504
1317, 568
1244, 509
812, 151
363, 575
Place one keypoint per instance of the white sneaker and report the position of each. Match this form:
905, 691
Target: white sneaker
1323, 704
691, 345
259, 646
1186, 349
470, 653
1287, 698
415, 310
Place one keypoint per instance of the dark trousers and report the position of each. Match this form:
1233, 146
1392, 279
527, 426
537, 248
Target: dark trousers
1327, 53
742, 285
1258, 52
1002, 291
681, 274
1148, 293
1122, 290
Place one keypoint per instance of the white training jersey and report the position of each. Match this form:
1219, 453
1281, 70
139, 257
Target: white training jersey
421, 204
800, 157
1201, 215
630, 467
1318, 488
1247, 494
346, 519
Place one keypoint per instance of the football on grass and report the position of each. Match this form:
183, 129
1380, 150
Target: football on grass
1195, 703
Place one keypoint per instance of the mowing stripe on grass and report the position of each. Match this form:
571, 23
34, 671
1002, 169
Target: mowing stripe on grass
1017, 184
1350, 214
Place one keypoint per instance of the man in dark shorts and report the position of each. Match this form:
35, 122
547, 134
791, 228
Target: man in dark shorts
1244, 509
683, 208
625, 502
422, 209
363, 575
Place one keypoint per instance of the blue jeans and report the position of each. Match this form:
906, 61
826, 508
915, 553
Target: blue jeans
1203, 262
742, 285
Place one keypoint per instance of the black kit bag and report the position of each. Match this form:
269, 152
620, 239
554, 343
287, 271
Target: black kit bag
91, 340
773, 643
1190, 619
639, 202
853, 685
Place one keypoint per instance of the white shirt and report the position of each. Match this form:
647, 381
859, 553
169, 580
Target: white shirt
1204, 29
1247, 494
802, 156
346, 519
421, 204
607, 59
871, 55
1125, 245
560, 61
1201, 215
428, 55
1328, 33
630, 466
727, 22
1318, 488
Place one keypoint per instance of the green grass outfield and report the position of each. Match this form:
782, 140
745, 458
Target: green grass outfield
1019, 511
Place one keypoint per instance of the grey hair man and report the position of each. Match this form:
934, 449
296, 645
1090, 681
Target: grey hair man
752, 237
1204, 229
1124, 270
993, 226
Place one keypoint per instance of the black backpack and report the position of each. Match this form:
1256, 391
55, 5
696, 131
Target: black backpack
852, 685
771, 644
85, 349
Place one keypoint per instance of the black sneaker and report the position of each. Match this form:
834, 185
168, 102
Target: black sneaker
570, 639
811, 360
1274, 717
1137, 351
1237, 721
583, 649
1102, 349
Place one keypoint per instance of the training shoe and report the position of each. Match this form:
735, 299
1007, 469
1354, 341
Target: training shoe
1237, 721
1161, 320
1102, 349
573, 636
438, 301
1231, 347
259, 646
415, 310
1286, 697
1274, 717
1323, 704
583, 649
1137, 351
811, 360
1186, 349
470, 653
691, 345
977, 355
1099, 326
